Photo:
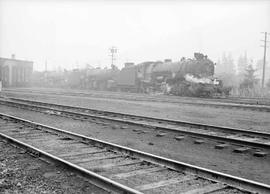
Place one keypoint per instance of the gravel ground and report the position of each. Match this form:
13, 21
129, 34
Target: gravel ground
237, 118
155, 96
22, 173
204, 155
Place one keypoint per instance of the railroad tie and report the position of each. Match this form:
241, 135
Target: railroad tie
163, 183
207, 189
137, 172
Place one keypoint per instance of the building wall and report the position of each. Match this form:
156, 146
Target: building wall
15, 73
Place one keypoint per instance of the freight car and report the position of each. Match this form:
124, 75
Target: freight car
14, 72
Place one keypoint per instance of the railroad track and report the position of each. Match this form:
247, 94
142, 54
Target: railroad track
228, 103
257, 143
249, 100
116, 168
231, 99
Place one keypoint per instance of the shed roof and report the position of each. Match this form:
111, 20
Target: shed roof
18, 60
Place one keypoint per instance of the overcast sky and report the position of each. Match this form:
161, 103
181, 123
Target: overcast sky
73, 33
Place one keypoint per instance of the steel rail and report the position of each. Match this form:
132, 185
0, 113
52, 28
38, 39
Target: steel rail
181, 123
234, 181
94, 178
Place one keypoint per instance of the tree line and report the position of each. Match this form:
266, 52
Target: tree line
243, 75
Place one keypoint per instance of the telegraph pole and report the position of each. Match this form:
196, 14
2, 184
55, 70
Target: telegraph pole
113, 51
264, 56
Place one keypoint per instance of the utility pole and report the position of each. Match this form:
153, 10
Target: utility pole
264, 56
113, 51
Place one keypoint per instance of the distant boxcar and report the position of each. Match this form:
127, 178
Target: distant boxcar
15, 73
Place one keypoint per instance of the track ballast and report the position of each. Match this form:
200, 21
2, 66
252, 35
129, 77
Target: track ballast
261, 105
118, 168
258, 141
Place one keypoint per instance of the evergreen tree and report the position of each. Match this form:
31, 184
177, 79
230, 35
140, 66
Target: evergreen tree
268, 84
226, 65
225, 70
259, 67
242, 64
250, 79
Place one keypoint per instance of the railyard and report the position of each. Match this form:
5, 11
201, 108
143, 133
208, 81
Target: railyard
134, 97
206, 143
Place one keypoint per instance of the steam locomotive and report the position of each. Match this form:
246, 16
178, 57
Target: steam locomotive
187, 77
